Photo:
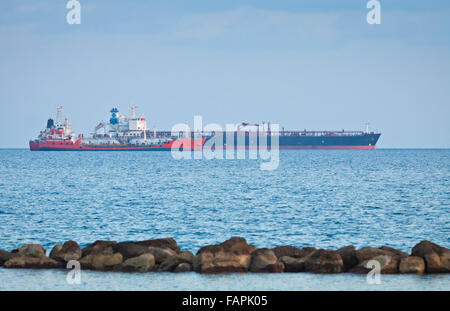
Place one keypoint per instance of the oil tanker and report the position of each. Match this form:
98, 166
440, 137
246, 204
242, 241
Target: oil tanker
131, 133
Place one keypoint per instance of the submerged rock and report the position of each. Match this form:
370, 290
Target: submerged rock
412, 264
70, 250
437, 258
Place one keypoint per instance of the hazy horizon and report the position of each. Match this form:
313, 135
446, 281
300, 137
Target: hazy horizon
313, 65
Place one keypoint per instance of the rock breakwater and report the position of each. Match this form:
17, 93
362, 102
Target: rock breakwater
231, 256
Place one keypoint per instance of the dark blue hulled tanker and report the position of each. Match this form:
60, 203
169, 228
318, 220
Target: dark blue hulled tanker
249, 139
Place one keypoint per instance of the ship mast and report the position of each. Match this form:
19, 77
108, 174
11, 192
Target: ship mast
133, 112
59, 110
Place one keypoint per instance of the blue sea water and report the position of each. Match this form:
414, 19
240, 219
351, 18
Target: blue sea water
320, 198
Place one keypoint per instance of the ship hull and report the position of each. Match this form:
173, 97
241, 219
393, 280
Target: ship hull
187, 144
298, 142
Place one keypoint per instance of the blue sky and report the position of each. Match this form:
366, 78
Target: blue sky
302, 64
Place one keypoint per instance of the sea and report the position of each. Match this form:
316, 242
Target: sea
321, 198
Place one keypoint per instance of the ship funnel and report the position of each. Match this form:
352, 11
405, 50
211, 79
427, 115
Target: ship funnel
50, 123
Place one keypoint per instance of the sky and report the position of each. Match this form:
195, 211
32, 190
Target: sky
314, 64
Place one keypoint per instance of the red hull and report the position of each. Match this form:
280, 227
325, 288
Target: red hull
186, 143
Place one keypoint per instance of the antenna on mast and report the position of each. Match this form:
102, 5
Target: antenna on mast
367, 127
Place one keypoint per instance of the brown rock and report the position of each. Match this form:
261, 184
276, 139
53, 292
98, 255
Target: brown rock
171, 263
183, 267
169, 243
437, 258
5, 256
324, 261
101, 262
348, 255
230, 256
31, 250
161, 254
367, 253
142, 263
286, 250
394, 251
98, 247
388, 265
70, 250
237, 245
292, 264
129, 249
29, 262
261, 259
412, 264
277, 267
292, 251
187, 255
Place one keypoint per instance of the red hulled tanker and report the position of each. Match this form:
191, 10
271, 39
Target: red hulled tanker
131, 133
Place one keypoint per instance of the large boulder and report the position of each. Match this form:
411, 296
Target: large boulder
161, 254
287, 250
324, 261
32, 262
166, 243
394, 251
70, 250
5, 256
388, 265
101, 262
142, 263
237, 245
412, 264
367, 253
30, 250
293, 264
98, 247
230, 256
129, 249
263, 260
348, 255
172, 263
437, 258
292, 251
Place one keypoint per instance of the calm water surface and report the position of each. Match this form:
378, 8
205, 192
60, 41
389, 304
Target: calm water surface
320, 198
